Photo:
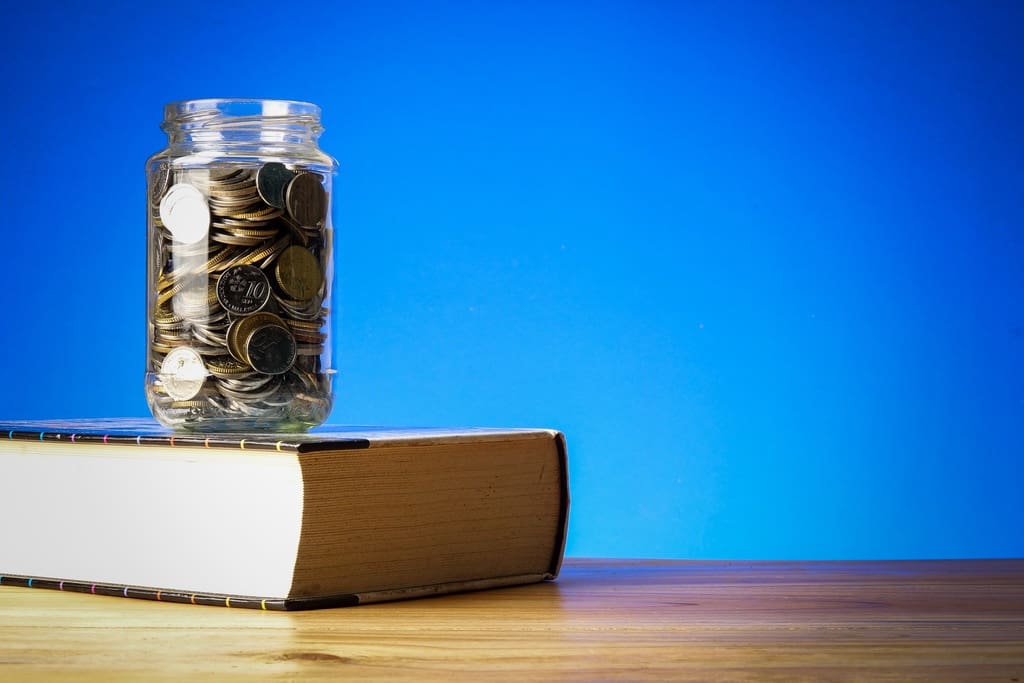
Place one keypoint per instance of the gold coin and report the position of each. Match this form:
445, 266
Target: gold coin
298, 273
265, 213
306, 199
173, 322
188, 404
264, 233
231, 255
240, 329
231, 340
223, 366
231, 193
306, 325
168, 294
254, 257
308, 349
235, 240
309, 338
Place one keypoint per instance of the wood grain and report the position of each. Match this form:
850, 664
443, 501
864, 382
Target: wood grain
602, 620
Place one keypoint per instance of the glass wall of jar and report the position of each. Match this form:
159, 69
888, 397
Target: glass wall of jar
240, 268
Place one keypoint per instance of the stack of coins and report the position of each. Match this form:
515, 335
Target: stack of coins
237, 317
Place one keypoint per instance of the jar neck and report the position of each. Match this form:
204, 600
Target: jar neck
239, 123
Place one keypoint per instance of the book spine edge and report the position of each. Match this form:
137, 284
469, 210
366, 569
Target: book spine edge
176, 440
563, 523
272, 604
159, 595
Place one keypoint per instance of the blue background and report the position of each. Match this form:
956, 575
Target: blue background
762, 262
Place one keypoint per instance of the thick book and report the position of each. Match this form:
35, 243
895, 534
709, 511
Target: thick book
337, 516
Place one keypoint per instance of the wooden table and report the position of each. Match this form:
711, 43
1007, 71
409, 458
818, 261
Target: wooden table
602, 620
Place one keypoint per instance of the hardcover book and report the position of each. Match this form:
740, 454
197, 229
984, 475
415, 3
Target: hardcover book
337, 516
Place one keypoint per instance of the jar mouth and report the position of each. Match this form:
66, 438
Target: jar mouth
240, 108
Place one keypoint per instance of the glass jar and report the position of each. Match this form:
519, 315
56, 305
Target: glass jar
239, 268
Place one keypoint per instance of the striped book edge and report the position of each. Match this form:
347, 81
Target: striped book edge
258, 443
275, 604
180, 597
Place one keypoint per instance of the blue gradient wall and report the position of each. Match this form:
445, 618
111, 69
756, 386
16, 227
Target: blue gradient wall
762, 262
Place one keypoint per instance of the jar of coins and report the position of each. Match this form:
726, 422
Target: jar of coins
239, 268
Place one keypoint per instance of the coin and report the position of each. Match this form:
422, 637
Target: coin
271, 181
185, 213
182, 373
194, 301
270, 349
265, 213
227, 175
265, 254
243, 289
240, 329
226, 367
298, 273
305, 200
160, 181
188, 404
231, 340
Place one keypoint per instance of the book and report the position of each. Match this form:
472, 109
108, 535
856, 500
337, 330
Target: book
333, 517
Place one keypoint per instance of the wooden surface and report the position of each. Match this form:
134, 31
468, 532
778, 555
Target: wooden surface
602, 620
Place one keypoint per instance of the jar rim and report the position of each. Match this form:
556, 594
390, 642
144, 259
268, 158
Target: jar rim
241, 107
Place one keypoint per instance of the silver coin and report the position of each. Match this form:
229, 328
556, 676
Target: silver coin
227, 176
185, 213
270, 349
182, 373
271, 181
159, 182
243, 290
